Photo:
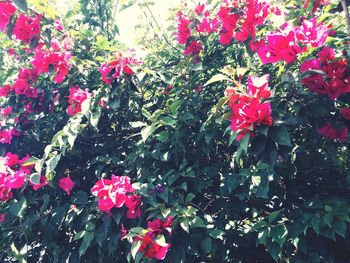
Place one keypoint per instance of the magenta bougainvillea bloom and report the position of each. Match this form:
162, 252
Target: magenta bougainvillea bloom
183, 30
280, 46
58, 25
66, 184
7, 9
333, 133
121, 63
150, 245
117, 192
249, 108
158, 225
311, 33
53, 60
151, 248
13, 174
335, 79
345, 112
76, 97
27, 28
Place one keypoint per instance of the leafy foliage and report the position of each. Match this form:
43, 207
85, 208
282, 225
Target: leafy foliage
215, 193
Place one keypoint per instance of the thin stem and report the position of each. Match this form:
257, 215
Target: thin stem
347, 17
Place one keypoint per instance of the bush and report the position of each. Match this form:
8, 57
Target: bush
228, 142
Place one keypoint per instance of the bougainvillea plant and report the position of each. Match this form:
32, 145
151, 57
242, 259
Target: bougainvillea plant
227, 142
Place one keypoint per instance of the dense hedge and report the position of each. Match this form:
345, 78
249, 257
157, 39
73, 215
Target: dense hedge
227, 142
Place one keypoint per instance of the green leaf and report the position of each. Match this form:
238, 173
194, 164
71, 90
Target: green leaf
17, 208
88, 237
22, 4
340, 228
273, 216
244, 142
163, 136
280, 135
184, 223
206, 245
258, 145
135, 248
79, 235
146, 132
216, 78
217, 234
328, 219
35, 178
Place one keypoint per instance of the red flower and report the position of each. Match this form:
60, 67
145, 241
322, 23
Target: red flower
310, 64
6, 11
345, 112
158, 225
333, 133
248, 110
5, 90
193, 49
312, 33
151, 248
133, 203
27, 28
76, 97
66, 184
41, 184
326, 54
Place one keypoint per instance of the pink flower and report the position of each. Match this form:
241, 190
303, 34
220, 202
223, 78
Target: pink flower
345, 112
16, 180
6, 11
76, 97
5, 90
66, 184
312, 33
183, 29
122, 64
58, 25
2, 218
6, 136
117, 192
310, 64
27, 28
326, 54
5, 111
54, 61
279, 47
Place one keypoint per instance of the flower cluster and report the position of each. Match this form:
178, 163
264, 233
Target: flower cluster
121, 63
117, 192
54, 61
6, 11
76, 97
13, 174
27, 28
332, 77
152, 241
249, 108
